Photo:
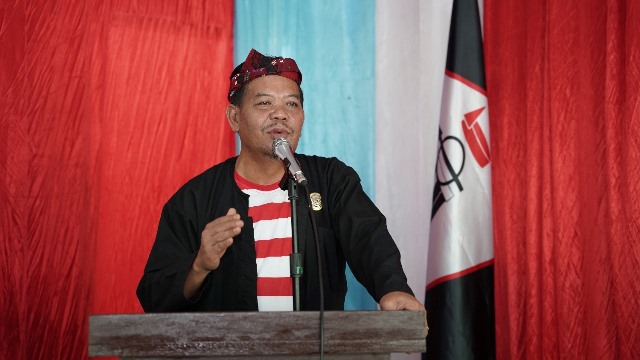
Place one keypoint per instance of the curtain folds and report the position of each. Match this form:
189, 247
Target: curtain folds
563, 87
106, 107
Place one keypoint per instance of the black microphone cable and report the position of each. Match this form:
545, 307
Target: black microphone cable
316, 239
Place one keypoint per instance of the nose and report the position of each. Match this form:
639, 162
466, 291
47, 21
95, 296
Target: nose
279, 112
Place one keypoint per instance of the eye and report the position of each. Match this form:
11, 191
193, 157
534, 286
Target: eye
293, 103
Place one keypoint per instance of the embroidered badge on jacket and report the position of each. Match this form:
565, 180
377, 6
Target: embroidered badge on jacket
316, 201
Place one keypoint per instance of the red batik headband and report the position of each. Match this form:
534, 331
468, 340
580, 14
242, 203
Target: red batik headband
257, 65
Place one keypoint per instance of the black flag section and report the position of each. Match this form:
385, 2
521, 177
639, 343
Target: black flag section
465, 56
462, 308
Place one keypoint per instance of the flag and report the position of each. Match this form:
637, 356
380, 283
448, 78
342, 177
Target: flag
459, 293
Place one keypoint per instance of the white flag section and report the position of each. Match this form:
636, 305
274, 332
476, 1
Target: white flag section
461, 235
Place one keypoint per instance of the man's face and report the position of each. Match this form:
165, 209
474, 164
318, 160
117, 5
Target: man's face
270, 109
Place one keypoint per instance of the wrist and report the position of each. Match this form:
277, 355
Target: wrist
197, 268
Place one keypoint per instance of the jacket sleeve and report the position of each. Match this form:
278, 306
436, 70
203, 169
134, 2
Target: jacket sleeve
175, 247
364, 238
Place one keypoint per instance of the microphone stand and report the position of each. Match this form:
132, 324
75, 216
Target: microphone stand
295, 259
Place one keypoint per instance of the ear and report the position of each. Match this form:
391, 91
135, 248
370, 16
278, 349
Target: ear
232, 117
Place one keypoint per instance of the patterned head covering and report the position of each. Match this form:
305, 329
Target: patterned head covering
257, 65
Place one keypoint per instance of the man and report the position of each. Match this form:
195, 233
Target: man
224, 238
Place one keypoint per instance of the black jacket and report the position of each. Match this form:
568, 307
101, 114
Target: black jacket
350, 227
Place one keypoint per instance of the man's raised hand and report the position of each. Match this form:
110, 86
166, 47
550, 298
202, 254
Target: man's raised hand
215, 239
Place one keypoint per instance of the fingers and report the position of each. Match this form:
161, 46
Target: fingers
222, 228
216, 238
397, 300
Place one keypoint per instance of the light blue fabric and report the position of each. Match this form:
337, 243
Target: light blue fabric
333, 43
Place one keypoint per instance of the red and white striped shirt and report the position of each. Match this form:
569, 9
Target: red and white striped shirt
270, 210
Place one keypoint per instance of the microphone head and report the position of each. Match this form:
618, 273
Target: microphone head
279, 148
283, 150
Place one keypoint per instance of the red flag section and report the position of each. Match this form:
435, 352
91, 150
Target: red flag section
475, 137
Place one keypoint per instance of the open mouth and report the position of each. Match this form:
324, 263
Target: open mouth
278, 133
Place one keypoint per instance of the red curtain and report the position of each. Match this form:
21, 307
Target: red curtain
563, 84
106, 108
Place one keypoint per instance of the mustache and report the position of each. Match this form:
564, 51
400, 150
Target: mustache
278, 125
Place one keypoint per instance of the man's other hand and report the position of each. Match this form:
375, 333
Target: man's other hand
398, 300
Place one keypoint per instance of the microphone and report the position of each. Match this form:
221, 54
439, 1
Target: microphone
282, 149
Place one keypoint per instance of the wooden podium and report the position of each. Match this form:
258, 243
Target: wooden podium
256, 335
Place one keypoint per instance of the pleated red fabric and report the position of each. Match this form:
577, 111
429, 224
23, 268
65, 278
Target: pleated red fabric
563, 82
106, 108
